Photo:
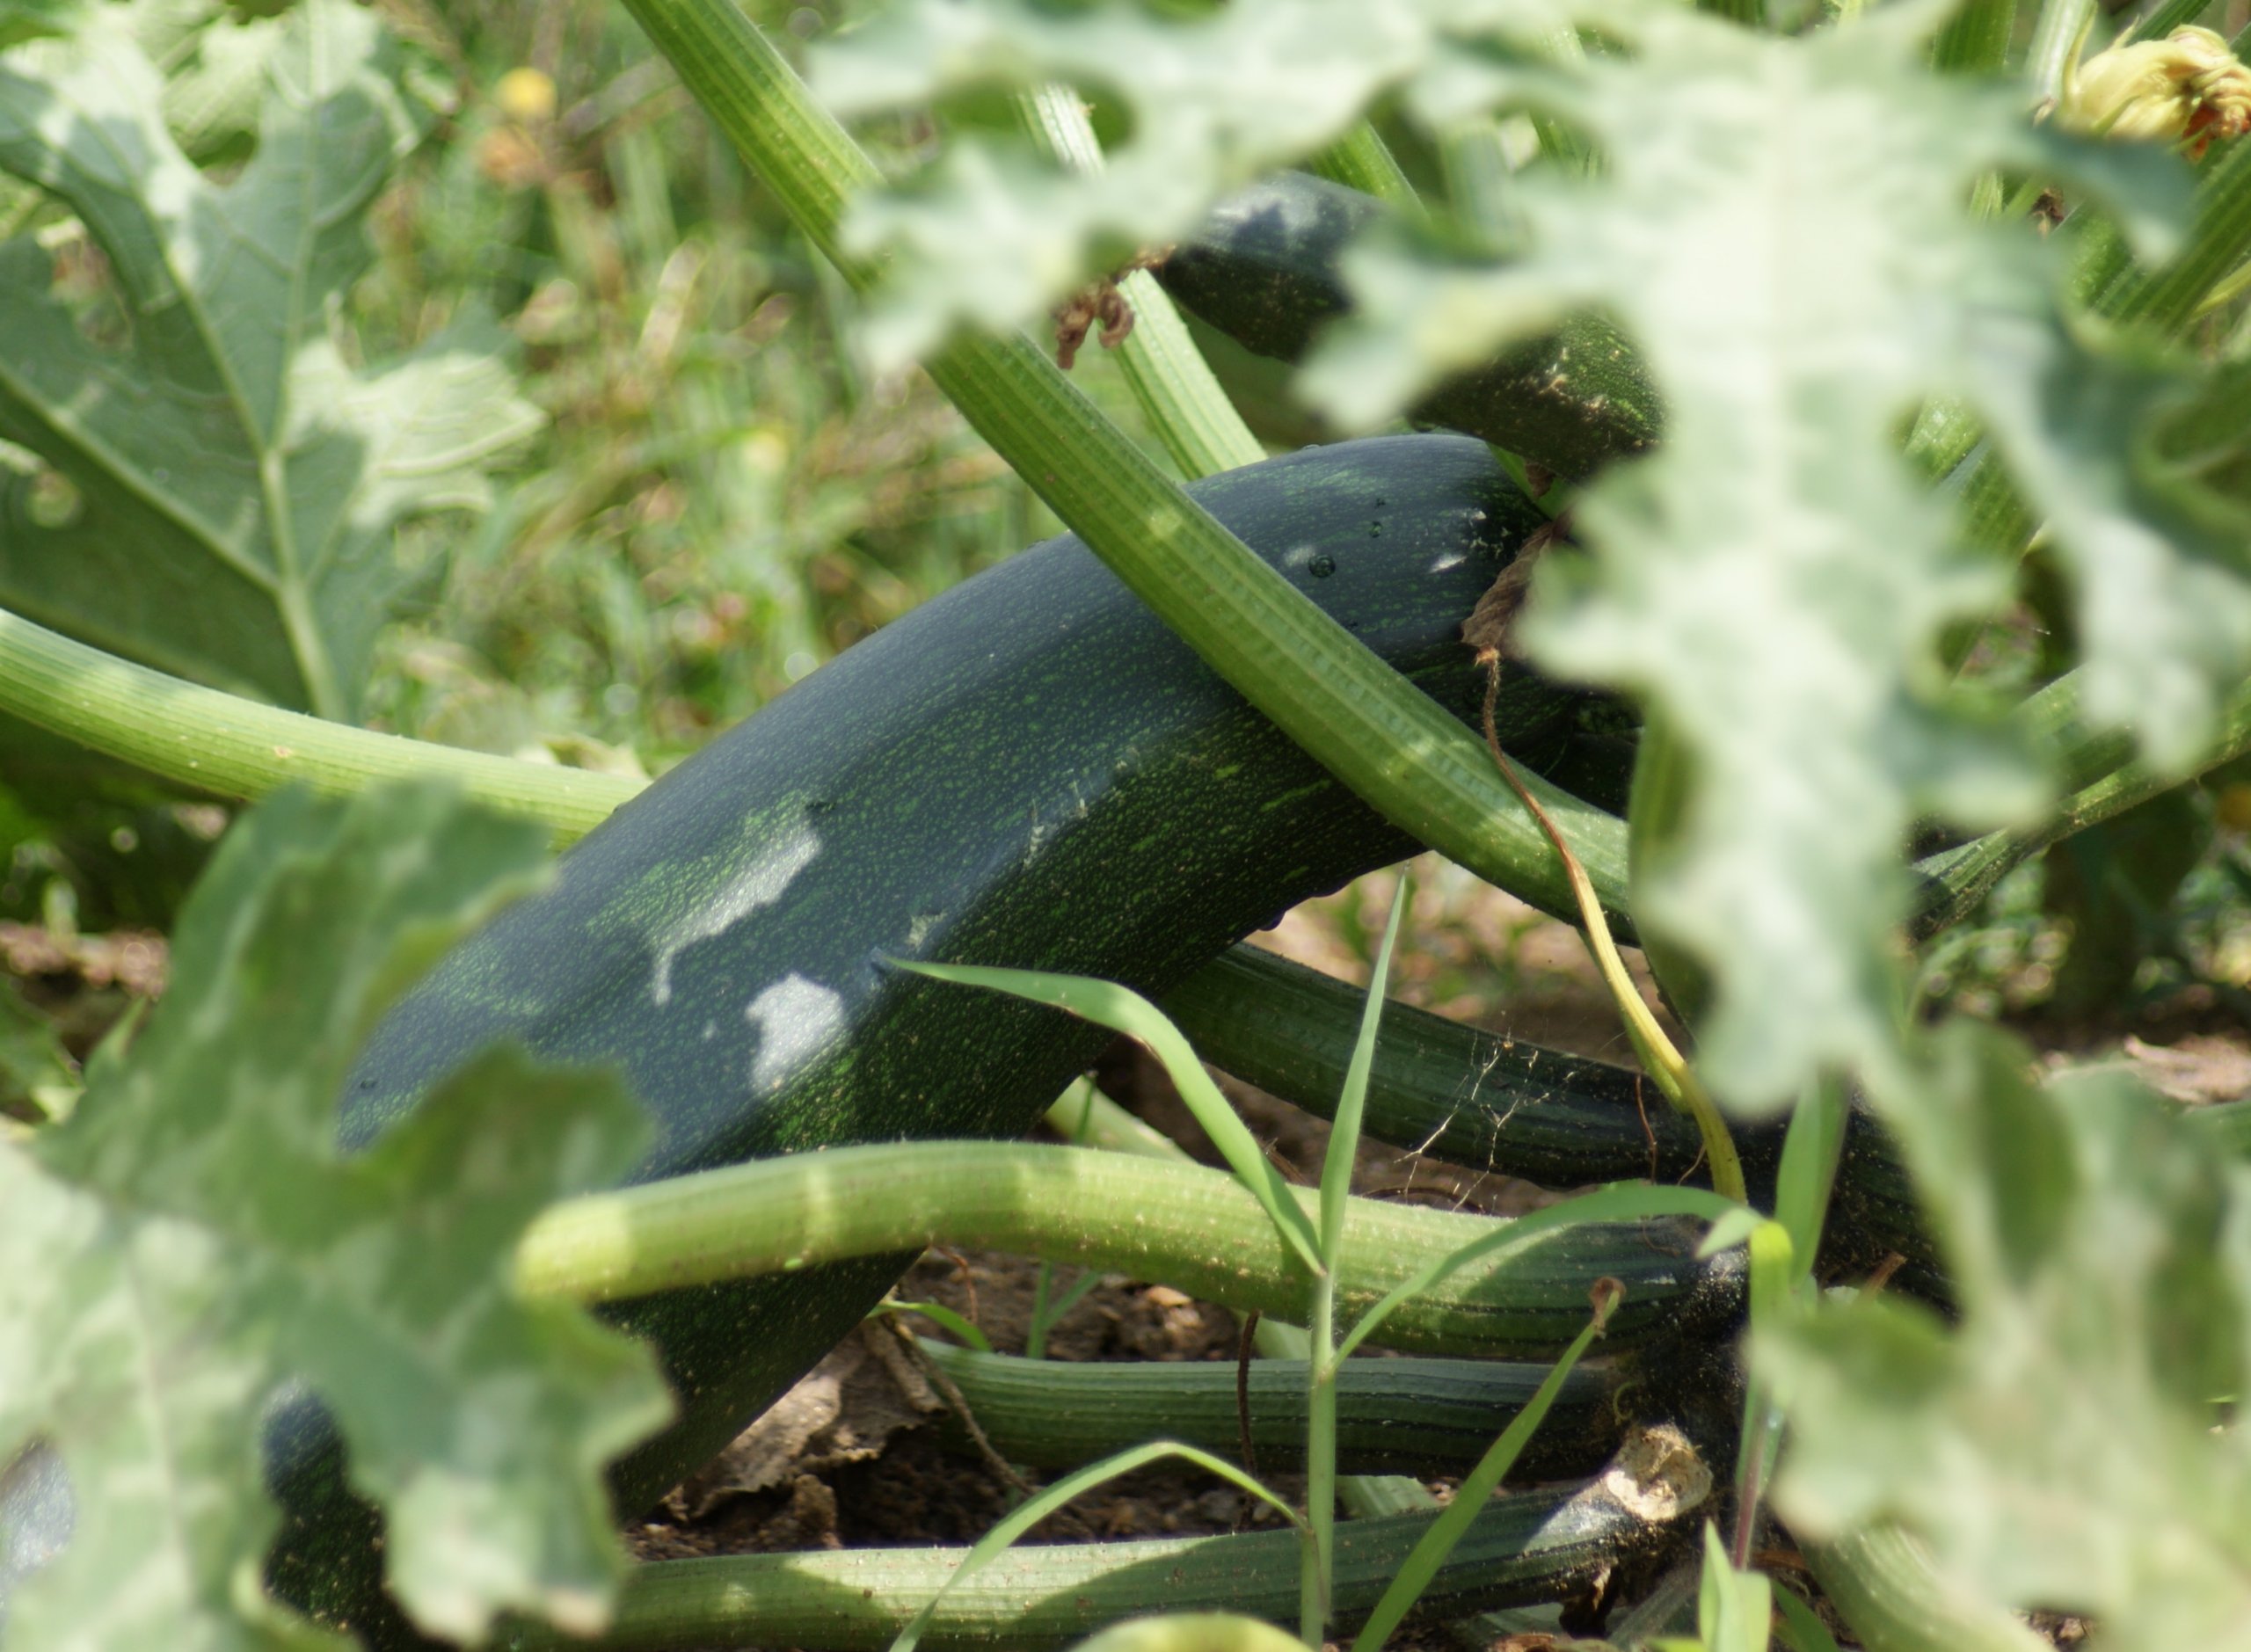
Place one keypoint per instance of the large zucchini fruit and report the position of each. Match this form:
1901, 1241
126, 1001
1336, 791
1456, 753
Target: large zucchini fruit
1030, 770
1265, 270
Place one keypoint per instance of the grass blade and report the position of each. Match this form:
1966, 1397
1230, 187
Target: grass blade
1122, 1009
1429, 1554
939, 1314
1802, 1630
1344, 1131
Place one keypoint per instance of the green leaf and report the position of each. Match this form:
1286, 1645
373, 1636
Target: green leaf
22, 20
1782, 227
991, 238
1733, 1609
1122, 1009
38, 1080
2061, 1445
188, 1245
235, 478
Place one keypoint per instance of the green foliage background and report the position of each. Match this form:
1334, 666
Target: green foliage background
667, 476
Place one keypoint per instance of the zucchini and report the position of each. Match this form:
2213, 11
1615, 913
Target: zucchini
1502, 1105
1393, 1416
1265, 269
1467, 1096
1526, 1548
1028, 770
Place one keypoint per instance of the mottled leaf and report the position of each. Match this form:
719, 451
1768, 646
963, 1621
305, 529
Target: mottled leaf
1782, 227
993, 238
237, 478
188, 1245
2062, 1445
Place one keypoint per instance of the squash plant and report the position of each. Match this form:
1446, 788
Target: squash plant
1816, 320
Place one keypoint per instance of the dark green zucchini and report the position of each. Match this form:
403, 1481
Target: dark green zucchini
1393, 1416
1564, 1542
1265, 270
1502, 1105
1030, 770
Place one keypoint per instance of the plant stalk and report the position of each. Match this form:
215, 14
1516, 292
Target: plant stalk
1190, 414
1403, 754
1186, 1225
233, 747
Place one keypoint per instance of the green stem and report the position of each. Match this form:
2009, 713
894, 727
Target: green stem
1186, 1225
2055, 42
1362, 160
1889, 1590
1321, 1465
234, 747
1167, 374
1408, 758
1337, 1163
1957, 879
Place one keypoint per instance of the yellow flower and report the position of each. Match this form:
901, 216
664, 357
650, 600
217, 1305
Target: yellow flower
525, 96
2187, 85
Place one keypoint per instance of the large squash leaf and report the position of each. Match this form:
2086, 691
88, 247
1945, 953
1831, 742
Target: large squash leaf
1783, 226
237, 477
2064, 1444
188, 1241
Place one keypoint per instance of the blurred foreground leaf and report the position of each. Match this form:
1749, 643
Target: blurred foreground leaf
995, 235
224, 479
22, 20
1775, 577
188, 1241
2066, 1445
38, 1080
1783, 226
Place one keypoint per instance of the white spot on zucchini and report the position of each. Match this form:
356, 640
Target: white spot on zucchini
760, 883
797, 1019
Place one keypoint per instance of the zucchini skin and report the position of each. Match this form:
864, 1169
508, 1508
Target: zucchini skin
1523, 1548
1028, 770
1467, 1096
1512, 1108
1265, 269
1393, 1416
